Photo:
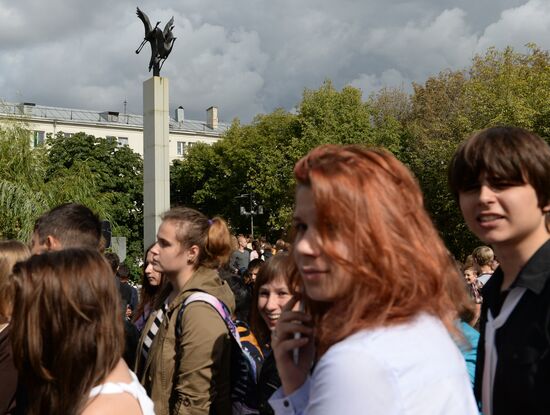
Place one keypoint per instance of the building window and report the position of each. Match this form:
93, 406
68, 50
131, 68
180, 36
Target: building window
122, 141
180, 148
68, 135
38, 138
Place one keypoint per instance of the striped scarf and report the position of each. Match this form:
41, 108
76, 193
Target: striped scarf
148, 341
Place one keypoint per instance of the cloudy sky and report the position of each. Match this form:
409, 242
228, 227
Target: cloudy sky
247, 56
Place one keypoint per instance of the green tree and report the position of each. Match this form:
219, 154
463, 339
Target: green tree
258, 159
26, 191
500, 88
118, 176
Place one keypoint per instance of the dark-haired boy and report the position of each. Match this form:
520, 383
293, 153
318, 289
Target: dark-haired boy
70, 225
501, 179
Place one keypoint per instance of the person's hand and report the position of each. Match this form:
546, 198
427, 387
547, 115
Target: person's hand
283, 343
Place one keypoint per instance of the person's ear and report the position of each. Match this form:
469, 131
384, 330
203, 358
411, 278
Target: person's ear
193, 254
53, 244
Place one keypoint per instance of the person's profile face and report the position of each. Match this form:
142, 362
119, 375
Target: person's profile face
153, 277
322, 277
168, 256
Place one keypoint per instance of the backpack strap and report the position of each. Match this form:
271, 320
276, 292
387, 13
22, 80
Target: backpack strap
223, 312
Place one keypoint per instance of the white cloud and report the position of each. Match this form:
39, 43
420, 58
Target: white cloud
519, 26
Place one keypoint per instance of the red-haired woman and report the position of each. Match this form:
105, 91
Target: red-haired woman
379, 286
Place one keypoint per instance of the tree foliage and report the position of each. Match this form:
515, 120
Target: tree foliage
258, 159
83, 169
423, 129
27, 190
117, 173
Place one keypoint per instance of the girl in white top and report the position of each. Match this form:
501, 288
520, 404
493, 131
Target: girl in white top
380, 290
68, 337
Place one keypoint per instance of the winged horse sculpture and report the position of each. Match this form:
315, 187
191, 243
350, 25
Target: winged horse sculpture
161, 41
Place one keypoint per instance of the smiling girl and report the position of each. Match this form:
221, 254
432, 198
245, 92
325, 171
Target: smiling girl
270, 295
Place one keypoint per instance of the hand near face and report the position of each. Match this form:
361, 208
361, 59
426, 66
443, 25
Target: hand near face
284, 342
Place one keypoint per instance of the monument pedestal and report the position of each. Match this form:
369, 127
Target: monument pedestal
156, 162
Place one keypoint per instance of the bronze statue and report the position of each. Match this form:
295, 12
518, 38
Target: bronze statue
161, 41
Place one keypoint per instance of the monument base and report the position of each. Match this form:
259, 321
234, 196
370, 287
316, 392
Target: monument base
156, 161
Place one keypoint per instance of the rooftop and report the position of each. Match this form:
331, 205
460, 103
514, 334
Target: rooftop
31, 110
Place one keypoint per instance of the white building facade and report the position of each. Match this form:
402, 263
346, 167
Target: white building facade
127, 129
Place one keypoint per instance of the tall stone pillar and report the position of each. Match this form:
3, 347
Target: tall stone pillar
156, 162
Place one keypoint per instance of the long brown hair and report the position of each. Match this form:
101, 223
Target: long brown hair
212, 236
398, 264
67, 330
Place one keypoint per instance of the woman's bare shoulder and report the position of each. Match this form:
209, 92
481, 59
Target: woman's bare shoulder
117, 403
120, 403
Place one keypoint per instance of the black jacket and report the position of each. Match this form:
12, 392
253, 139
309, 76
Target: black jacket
522, 377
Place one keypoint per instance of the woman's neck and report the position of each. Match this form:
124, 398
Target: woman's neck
180, 279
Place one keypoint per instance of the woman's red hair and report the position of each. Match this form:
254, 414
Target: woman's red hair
398, 263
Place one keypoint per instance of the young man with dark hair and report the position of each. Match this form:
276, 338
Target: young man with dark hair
501, 179
68, 225
72, 225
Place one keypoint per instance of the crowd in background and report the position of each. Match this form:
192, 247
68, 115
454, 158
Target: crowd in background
364, 312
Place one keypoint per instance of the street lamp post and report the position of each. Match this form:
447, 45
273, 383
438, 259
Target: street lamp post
254, 210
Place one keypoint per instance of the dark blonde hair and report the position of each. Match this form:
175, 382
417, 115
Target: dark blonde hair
397, 262
276, 267
210, 235
11, 252
483, 255
67, 333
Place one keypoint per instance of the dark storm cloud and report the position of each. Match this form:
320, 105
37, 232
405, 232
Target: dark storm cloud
247, 56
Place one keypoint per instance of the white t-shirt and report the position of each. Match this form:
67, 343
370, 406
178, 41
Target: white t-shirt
134, 388
412, 369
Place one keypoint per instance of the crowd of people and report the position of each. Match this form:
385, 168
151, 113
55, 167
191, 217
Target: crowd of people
365, 311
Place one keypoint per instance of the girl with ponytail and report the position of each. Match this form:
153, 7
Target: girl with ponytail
184, 352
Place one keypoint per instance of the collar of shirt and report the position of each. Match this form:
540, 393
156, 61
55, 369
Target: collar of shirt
533, 276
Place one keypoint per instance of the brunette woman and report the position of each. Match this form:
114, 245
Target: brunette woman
11, 251
378, 284
186, 363
68, 337
271, 293
152, 285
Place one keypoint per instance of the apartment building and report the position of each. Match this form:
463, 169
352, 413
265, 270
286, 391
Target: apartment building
127, 129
